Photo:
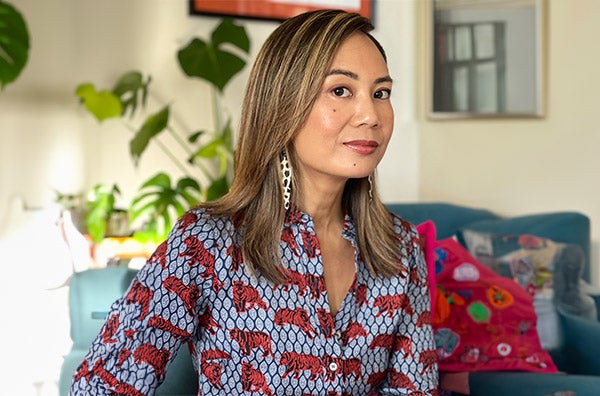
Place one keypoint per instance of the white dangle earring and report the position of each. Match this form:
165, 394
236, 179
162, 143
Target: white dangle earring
370, 179
286, 179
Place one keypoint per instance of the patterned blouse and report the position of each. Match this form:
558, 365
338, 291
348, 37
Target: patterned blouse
248, 337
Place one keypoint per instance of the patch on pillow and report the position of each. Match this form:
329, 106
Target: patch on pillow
485, 321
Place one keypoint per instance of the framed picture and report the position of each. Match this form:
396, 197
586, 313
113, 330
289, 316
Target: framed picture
487, 58
276, 9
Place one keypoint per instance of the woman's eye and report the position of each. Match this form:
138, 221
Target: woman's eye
383, 94
342, 92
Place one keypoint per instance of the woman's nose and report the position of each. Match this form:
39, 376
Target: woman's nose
366, 113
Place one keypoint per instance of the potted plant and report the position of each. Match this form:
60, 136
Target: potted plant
161, 200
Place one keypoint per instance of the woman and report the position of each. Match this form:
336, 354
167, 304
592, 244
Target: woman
298, 281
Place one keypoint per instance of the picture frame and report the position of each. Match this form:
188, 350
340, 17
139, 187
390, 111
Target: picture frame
277, 10
486, 58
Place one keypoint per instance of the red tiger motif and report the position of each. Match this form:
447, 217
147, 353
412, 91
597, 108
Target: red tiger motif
316, 285
157, 358
235, 252
213, 371
310, 243
400, 380
165, 325
249, 340
160, 255
352, 366
187, 220
390, 304
403, 343
414, 277
245, 297
375, 379
361, 295
253, 380
129, 333
346, 367
296, 317
109, 329
428, 359
424, 319
208, 322
140, 294
326, 321
104, 375
354, 330
294, 278
382, 341
295, 363
188, 294
123, 355
288, 237
198, 254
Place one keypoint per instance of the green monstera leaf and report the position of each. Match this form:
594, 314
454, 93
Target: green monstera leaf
14, 44
209, 61
164, 204
131, 89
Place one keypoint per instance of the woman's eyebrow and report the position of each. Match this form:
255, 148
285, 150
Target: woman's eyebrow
354, 76
343, 72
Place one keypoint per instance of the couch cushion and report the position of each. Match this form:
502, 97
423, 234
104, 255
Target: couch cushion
563, 227
548, 270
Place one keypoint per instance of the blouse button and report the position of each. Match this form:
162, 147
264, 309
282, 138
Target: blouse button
333, 366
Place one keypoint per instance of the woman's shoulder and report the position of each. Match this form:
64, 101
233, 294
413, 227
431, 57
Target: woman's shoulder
201, 221
404, 228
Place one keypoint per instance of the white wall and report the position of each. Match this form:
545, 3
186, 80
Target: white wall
519, 166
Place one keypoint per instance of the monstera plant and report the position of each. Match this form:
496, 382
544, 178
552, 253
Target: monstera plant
161, 200
14, 44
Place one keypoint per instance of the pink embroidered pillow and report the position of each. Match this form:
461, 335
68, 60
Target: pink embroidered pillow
485, 321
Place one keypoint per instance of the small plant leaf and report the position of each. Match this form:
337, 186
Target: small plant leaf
14, 44
153, 125
131, 89
100, 205
102, 105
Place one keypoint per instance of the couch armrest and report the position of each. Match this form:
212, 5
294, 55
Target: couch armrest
593, 292
581, 344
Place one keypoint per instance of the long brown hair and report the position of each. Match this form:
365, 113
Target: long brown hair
284, 83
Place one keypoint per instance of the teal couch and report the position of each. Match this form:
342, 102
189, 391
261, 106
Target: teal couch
92, 292
579, 354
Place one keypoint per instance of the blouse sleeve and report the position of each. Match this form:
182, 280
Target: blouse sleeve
144, 328
413, 361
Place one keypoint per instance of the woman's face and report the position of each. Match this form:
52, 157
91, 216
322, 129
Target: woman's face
348, 129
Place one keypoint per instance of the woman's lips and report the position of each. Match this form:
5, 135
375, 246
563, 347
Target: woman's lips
362, 146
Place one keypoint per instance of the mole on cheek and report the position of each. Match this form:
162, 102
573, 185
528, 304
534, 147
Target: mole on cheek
334, 110
353, 164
